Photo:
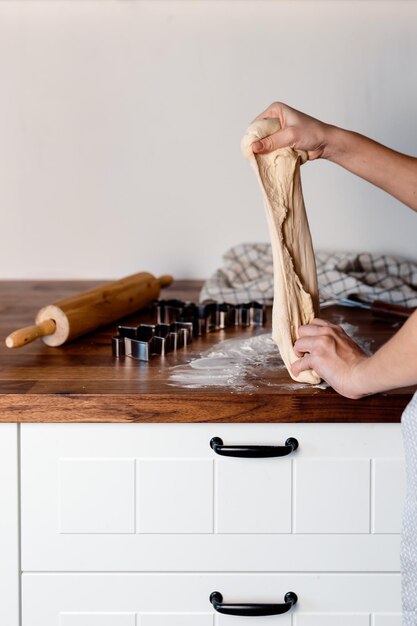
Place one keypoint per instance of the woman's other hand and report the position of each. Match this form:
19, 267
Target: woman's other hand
336, 358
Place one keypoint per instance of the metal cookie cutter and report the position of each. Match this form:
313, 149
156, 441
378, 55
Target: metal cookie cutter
177, 322
146, 340
169, 311
211, 315
250, 314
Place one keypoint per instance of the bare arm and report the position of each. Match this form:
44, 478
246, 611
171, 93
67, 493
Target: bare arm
392, 171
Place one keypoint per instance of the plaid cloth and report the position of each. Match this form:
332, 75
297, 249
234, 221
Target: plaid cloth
247, 274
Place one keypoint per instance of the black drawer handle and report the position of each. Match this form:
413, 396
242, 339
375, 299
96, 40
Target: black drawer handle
254, 452
252, 610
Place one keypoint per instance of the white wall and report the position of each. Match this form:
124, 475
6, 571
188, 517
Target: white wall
120, 124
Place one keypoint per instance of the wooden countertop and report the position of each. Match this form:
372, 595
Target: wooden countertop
83, 382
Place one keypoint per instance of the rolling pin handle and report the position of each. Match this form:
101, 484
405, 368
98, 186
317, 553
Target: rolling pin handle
23, 336
166, 280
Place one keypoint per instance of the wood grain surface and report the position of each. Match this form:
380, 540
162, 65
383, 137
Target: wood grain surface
82, 382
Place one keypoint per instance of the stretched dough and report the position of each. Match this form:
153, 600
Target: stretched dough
295, 280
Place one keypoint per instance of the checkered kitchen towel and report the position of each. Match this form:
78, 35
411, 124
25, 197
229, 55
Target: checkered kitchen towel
247, 274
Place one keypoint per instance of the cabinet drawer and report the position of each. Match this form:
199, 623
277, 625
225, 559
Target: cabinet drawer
149, 497
183, 600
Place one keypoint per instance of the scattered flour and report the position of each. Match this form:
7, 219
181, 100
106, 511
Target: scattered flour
236, 363
246, 364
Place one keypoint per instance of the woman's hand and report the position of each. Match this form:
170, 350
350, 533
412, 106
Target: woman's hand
299, 131
330, 352
392, 171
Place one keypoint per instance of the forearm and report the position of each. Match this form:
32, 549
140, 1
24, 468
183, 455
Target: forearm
392, 171
394, 365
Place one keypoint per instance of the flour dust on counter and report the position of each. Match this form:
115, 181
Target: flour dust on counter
235, 363
241, 364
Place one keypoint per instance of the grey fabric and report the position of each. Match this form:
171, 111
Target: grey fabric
409, 536
247, 274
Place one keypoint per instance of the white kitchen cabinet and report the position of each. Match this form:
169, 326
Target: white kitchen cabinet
388, 619
348, 619
157, 498
182, 599
97, 619
388, 490
174, 495
332, 619
136, 524
9, 526
178, 619
254, 496
332, 495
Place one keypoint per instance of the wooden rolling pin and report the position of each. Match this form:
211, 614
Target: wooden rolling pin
78, 315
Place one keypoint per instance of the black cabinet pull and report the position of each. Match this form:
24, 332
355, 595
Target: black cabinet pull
252, 610
254, 452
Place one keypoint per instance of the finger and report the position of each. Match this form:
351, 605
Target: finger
328, 327
319, 322
314, 330
280, 139
301, 365
319, 326
274, 110
303, 345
